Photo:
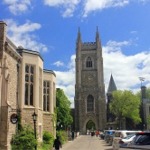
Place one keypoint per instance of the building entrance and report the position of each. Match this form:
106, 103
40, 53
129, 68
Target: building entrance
90, 125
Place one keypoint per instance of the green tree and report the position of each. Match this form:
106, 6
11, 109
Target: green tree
148, 122
125, 104
64, 117
148, 93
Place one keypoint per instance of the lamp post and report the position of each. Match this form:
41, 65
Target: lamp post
141, 79
142, 105
34, 115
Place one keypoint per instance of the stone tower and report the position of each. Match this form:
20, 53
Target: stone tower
90, 104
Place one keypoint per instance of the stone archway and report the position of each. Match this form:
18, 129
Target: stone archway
90, 126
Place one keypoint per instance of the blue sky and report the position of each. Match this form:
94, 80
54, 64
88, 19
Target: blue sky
50, 27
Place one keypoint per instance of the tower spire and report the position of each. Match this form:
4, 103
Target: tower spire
79, 35
97, 39
112, 86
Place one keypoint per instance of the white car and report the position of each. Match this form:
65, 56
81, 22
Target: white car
126, 140
119, 135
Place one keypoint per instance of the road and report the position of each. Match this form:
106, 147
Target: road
86, 142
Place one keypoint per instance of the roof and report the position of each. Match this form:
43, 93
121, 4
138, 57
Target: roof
112, 86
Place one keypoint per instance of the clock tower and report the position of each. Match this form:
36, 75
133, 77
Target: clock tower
90, 103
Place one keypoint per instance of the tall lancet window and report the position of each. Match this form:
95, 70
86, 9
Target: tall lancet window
29, 83
89, 62
46, 96
90, 103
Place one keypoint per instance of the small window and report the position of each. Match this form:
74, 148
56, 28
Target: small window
89, 62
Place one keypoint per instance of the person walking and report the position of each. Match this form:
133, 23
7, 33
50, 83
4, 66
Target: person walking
72, 135
57, 143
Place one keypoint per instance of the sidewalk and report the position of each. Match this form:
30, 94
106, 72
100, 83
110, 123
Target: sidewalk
86, 142
70, 143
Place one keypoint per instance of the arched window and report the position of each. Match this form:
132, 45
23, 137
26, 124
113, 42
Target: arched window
90, 103
89, 62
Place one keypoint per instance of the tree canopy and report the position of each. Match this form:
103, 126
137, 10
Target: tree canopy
126, 104
148, 93
64, 117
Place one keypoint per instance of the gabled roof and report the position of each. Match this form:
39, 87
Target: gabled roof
112, 86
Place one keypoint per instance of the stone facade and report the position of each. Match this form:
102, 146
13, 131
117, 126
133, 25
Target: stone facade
48, 120
8, 85
90, 103
22, 80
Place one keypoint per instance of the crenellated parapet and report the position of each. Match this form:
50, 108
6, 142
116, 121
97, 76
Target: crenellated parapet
88, 45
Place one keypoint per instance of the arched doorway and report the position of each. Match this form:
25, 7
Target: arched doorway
90, 126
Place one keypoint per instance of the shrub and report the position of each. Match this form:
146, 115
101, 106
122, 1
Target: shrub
48, 138
24, 139
47, 143
63, 136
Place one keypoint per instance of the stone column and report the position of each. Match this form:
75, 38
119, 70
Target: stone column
2, 37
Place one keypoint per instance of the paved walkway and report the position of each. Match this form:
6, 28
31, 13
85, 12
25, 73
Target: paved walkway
86, 142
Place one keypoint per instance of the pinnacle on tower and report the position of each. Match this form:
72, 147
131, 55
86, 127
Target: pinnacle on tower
97, 34
79, 35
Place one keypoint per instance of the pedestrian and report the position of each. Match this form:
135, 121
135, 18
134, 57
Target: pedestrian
72, 135
57, 143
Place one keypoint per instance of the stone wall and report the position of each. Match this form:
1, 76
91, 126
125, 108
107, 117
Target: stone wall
12, 95
48, 124
9, 100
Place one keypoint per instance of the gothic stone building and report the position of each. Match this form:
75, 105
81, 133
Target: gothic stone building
90, 103
25, 87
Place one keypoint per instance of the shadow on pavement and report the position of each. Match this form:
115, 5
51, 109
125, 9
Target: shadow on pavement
105, 144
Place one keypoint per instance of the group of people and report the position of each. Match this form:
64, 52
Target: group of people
95, 133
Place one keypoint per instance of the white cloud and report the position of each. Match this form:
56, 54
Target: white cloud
18, 6
58, 63
66, 80
68, 6
22, 35
93, 5
116, 46
126, 70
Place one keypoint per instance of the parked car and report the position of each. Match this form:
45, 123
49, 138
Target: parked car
126, 140
141, 141
119, 134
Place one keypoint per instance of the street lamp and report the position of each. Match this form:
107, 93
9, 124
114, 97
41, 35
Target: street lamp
141, 79
34, 116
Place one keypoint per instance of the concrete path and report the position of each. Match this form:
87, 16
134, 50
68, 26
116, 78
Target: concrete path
86, 142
